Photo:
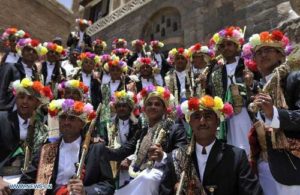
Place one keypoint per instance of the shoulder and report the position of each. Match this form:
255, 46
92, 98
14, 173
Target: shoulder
294, 76
237, 153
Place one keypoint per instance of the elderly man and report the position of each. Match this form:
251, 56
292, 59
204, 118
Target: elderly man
158, 136
56, 163
208, 166
275, 138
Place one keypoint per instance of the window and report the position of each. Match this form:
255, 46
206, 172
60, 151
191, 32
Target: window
168, 22
175, 27
163, 32
157, 28
99, 10
162, 19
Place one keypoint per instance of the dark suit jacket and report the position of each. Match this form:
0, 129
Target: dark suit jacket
176, 138
134, 57
71, 42
165, 67
56, 75
98, 177
227, 168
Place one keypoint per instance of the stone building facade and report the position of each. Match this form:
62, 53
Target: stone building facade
184, 22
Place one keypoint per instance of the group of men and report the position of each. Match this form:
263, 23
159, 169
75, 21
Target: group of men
221, 118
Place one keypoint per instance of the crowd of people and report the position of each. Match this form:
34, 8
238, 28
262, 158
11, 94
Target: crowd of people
216, 119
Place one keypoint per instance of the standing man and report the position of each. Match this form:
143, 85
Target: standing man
158, 56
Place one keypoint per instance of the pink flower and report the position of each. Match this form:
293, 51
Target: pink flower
227, 109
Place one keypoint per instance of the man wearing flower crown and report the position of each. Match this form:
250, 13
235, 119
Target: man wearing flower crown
73, 89
119, 43
210, 166
275, 136
56, 163
22, 128
158, 57
179, 80
80, 39
138, 46
158, 136
227, 81
99, 46
30, 50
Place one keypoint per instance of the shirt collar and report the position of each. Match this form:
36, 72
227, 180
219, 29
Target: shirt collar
75, 143
25, 65
21, 120
180, 74
268, 77
125, 122
207, 148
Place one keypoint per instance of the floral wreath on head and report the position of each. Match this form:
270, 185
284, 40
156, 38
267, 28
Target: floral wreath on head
123, 96
14, 31
198, 48
156, 42
232, 33
84, 111
83, 21
99, 42
180, 51
33, 43
54, 47
88, 55
156, 91
34, 88
206, 102
74, 84
275, 39
115, 61
144, 61
119, 40
121, 51
138, 42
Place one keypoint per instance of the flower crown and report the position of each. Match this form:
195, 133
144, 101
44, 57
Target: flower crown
100, 42
232, 33
198, 48
83, 21
33, 43
34, 88
128, 97
274, 39
121, 51
73, 84
180, 51
120, 40
156, 42
88, 55
206, 103
115, 61
156, 91
13, 31
138, 42
84, 111
144, 61
54, 47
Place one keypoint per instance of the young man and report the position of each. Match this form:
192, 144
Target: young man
80, 39
56, 162
210, 166
138, 46
158, 57
158, 136
74, 89
99, 46
276, 131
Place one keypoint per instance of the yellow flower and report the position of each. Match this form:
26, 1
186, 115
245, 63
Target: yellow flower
218, 103
160, 89
26, 82
52, 105
122, 93
59, 48
216, 37
74, 83
43, 51
118, 94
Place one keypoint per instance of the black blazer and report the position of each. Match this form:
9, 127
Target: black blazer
98, 177
96, 95
165, 67
134, 57
56, 75
227, 168
72, 42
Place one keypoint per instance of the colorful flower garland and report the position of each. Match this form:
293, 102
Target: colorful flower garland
138, 42
54, 47
33, 43
83, 21
180, 51
119, 40
156, 42
144, 61
74, 84
115, 61
198, 48
124, 96
99, 42
14, 31
88, 55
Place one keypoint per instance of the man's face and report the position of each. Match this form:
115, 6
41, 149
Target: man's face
26, 104
267, 58
98, 49
73, 57
12, 41
123, 110
155, 109
138, 48
29, 55
88, 65
146, 70
52, 56
198, 60
72, 94
204, 124
115, 73
155, 48
180, 63
70, 126
120, 45
228, 49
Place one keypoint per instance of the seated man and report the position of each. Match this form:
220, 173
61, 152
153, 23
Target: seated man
55, 164
157, 137
207, 165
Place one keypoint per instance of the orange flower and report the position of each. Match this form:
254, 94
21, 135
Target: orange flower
78, 107
265, 36
207, 101
37, 86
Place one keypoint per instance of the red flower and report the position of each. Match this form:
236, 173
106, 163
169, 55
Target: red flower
85, 89
227, 109
229, 31
47, 92
78, 107
26, 35
143, 92
251, 65
193, 103
197, 46
180, 50
52, 113
135, 99
34, 42
92, 115
277, 35
136, 112
166, 95
146, 60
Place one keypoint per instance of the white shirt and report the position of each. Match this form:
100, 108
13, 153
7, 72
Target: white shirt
80, 38
181, 77
105, 78
23, 127
123, 130
230, 69
12, 58
157, 56
86, 79
114, 86
202, 158
146, 82
140, 55
68, 156
28, 71
197, 70
50, 68
70, 70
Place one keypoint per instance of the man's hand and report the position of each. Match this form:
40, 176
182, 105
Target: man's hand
125, 164
265, 102
4, 189
75, 187
156, 153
